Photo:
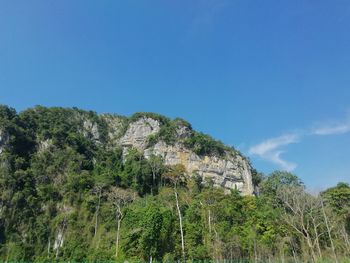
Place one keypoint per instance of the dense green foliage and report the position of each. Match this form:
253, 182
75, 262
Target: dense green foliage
338, 199
65, 195
202, 144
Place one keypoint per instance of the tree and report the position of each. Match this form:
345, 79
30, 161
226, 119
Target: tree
119, 198
105, 173
211, 203
326, 220
150, 238
137, 173
176, 175
302, 212
337, 199
257, 178
278, 180
97, 190
156, 164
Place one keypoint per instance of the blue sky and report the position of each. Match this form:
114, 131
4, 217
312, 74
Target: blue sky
271, 78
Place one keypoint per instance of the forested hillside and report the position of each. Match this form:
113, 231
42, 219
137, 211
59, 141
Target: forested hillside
68, 192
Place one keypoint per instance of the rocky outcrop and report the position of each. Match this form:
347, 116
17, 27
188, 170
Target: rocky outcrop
91, 130
138, 132
230, 171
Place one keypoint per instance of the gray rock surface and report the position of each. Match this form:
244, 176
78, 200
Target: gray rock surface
91, 130
137, 133
231, 171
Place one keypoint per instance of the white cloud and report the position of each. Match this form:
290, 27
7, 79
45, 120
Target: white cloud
273, 144
332, 130
271, 150
275, 157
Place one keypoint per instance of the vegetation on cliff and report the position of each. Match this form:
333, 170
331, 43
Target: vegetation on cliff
66, 195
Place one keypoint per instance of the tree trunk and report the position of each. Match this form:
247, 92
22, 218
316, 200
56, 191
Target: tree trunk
293, 251
329, 232
117, 241
311, 247
180, 221
209, 221
153, 180
62, 236
317, 239
48, 247
97, 210
306, 235
119, 219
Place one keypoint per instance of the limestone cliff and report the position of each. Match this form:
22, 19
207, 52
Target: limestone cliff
230, 171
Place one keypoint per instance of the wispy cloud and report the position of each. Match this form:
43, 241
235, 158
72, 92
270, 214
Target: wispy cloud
332, 129
270, 150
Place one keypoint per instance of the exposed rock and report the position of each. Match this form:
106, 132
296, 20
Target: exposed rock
231, 171
91, 130
183, 132
137, 133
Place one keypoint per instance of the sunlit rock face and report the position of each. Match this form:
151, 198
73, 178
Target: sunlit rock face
91, 130
230, 171
137, 133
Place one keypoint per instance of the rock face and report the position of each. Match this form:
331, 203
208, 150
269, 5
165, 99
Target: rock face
137, 133
230, 171
91, 130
